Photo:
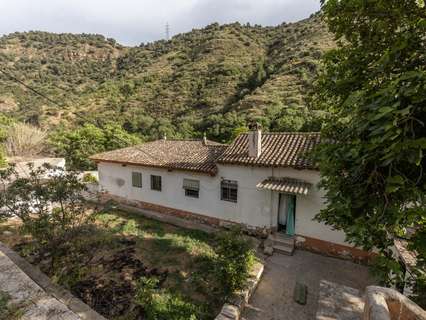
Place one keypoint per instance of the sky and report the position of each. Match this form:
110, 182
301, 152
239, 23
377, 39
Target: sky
131, 22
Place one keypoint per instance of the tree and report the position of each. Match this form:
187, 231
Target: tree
259, 76
371, 158
5, 123
48, 201
3, 161
77, 145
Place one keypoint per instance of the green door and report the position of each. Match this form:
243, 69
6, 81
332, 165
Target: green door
291, 206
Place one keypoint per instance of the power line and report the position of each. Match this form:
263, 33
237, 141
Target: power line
11, 77
167, 31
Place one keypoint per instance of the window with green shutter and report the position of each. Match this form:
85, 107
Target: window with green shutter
137, 179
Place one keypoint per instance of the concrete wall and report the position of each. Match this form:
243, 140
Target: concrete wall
258, 208
388, 304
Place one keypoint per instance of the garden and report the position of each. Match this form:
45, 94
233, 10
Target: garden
124, 265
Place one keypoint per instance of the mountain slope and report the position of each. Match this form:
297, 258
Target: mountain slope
204, 80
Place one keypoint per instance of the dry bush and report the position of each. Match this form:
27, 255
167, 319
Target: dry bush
25, 140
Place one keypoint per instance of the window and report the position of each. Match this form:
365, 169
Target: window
156, 183
137, 179
228, 190
192, 188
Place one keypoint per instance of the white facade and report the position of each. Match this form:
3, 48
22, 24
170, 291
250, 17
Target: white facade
256, 208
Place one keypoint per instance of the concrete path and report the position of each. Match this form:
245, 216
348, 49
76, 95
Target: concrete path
32, 299
37, 297
273, 299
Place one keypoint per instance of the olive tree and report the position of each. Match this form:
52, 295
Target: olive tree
48, 200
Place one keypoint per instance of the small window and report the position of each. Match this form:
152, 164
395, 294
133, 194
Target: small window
192, 188
137, 179
229, 190
156, 183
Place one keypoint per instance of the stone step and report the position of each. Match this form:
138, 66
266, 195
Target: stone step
282, 243
288, 250
282, 239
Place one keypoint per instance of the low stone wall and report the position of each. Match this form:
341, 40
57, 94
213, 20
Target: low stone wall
233, 308
388, 304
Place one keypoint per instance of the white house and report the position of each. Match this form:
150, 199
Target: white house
263, 181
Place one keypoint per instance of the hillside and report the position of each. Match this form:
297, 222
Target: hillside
210, 80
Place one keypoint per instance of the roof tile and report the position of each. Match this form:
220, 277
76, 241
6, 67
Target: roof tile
286, 149
191, 155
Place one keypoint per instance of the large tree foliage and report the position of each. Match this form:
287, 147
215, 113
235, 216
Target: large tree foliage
47, 200
374, 84
77, 145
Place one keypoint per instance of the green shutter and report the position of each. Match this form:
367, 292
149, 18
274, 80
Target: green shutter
137, 179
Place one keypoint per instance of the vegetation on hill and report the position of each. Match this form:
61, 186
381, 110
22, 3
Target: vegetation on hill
214, 80
374, 86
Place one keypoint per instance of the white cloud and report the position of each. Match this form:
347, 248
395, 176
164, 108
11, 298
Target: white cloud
135, 21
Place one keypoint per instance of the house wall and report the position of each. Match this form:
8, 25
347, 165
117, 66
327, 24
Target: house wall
261, 206
256, 208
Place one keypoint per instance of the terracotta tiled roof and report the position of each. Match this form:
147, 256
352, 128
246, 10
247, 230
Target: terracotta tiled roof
409, 258
286, 185
192, 155
278, 150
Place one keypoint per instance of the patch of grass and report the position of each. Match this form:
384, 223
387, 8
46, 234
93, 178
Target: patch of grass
108, 257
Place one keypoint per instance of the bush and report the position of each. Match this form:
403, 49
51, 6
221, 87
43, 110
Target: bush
3, 161
159, 304
235, 257
25, 140
52, 212
89, 178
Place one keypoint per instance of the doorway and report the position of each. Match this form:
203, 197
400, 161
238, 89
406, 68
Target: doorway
286, 213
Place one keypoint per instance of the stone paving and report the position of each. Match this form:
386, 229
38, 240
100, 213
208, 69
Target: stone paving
36, 296
34, 301
273, 299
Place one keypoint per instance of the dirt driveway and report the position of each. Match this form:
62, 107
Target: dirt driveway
273, 299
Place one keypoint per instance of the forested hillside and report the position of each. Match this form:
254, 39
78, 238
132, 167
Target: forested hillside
214, 80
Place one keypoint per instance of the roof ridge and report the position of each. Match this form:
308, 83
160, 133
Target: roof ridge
183, 140
287, 133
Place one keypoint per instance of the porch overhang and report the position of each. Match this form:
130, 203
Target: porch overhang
285, 185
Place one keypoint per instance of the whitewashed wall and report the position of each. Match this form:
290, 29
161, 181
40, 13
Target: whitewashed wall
257, 208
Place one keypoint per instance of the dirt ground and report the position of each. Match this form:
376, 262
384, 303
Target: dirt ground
273, 299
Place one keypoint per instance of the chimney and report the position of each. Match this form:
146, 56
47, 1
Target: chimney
255, 142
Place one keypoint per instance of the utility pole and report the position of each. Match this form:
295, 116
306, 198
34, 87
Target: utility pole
167, 31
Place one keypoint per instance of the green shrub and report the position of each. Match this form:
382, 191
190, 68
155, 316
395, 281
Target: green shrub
235, 257
89, 178
159, 304
3, 161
